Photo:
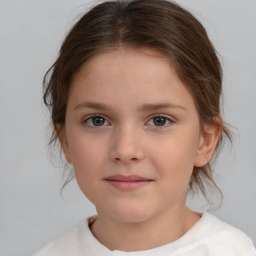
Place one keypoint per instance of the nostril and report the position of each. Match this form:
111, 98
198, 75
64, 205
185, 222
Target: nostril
126, 153
133, 159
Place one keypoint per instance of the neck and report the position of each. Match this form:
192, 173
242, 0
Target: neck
138, 236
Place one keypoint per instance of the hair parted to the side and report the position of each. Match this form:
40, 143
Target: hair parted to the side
156, 24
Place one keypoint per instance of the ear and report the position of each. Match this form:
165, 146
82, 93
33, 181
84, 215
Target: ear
61, 133
207, 144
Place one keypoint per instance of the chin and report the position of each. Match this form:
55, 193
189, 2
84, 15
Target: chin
130, 215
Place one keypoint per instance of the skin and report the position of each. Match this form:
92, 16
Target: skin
128, 142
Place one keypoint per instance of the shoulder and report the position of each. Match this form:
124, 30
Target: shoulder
66, 244
61, 246
222, 237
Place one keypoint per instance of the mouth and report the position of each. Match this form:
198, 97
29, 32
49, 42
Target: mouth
127, 183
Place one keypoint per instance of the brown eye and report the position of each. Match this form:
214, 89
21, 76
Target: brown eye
95, 121
159, 120
98, 121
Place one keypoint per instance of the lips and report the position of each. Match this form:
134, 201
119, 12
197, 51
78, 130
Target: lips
127, 183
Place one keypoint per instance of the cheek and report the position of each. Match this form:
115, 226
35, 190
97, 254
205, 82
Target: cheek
174, 159
83, 155
87, 157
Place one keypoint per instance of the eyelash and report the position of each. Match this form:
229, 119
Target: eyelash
90, 118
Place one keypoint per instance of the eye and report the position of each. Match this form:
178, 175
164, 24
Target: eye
160, 121
96, 120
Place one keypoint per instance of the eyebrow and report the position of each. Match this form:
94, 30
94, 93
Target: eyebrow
152, 107
142, 108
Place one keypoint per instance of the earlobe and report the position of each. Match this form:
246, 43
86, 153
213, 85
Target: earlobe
207, 144
66, 151
64, 143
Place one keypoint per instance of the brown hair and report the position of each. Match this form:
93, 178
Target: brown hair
157, 24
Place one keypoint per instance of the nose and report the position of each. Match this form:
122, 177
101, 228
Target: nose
126, 146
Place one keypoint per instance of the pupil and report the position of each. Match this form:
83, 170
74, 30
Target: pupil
97, 121
160, 120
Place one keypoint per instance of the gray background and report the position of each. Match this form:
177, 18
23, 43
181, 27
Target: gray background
32, 211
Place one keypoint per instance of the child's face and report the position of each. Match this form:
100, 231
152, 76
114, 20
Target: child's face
129, 115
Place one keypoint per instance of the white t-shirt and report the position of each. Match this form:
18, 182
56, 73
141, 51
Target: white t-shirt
208, 237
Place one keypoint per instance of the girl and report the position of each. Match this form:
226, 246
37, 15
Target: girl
134, 99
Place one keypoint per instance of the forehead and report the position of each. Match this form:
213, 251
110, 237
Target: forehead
130, 74
123, 57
